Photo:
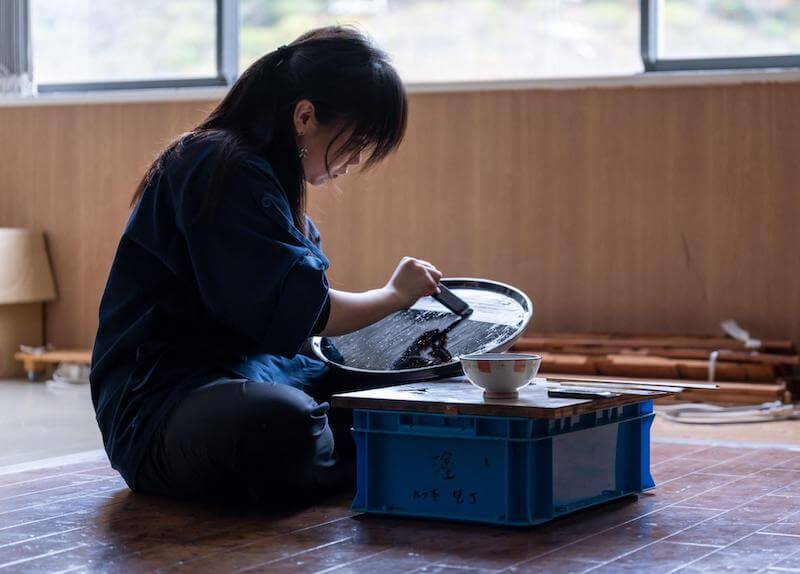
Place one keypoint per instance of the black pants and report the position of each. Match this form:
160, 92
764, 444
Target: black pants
268, 442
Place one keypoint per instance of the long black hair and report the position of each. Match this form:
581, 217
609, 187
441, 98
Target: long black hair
349, 81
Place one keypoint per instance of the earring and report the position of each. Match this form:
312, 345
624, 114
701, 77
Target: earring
302, 152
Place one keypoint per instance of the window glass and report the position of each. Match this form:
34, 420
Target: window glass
77, 41
730, 28
465, 40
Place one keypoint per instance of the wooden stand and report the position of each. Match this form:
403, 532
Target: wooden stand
33, 362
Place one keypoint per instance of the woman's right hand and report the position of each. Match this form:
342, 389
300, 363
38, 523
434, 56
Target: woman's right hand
411, 280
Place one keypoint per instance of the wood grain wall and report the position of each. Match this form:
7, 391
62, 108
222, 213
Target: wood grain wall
658, 209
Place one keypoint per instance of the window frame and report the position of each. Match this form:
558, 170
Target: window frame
227, 60
650, 38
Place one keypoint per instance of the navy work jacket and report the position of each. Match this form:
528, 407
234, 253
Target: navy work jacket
188, 300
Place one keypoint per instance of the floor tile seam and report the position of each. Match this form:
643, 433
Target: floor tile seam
727, 460
683, 530
662, 539
266, 535
49, 476
293, 555
771, 564
40, 537
98, 542
332, 521
672, 459
45, 555
65, 499
445, 564
39, 520
728, 546
106, 466
710, 464
715, 443
429, 564
449, 547
253, 543
705, 468
57, 516
198, 557
763, 533
351, 562
589, 564
795, 514
51, 489
696, 544
698, 447
668, 459
733, 477
726, 483
603, 531
58, 462
91, 475
734, 459
454, 567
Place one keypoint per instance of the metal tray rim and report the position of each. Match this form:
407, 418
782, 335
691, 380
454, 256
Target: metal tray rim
316, 342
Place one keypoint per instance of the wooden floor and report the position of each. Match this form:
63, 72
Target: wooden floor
715, 509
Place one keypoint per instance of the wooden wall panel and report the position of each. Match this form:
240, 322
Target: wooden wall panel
73, 172
659, 209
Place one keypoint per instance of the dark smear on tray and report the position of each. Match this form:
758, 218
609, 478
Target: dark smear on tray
428, 335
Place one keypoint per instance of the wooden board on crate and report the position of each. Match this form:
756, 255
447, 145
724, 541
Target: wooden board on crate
458, 396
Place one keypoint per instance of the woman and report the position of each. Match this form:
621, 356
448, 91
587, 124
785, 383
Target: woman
219, 280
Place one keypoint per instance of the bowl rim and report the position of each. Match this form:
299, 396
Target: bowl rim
500, 357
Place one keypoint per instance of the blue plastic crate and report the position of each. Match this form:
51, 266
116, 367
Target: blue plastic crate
513, 471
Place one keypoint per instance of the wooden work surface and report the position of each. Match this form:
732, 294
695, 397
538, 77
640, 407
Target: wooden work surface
459, 396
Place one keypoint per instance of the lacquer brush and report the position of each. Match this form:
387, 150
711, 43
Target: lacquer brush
453, 302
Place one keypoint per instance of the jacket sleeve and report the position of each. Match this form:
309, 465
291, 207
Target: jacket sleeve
252, 273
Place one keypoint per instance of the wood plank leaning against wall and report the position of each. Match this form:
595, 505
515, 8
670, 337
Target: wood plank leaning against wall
659, 209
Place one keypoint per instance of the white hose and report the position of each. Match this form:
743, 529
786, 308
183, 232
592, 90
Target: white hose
699, 413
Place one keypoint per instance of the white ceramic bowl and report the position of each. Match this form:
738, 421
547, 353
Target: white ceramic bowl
501, 375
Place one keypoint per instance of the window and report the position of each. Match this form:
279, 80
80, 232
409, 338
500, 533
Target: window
105, 44
80, 44
465, 40
709, 34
